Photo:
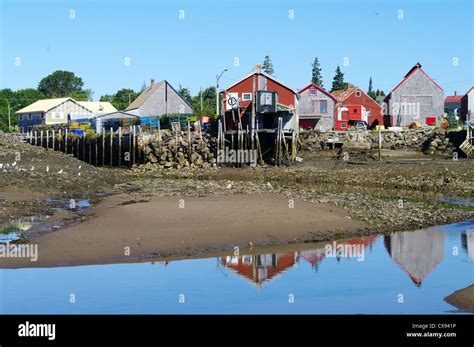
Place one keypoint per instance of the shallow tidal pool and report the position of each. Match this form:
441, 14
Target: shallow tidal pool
407, 272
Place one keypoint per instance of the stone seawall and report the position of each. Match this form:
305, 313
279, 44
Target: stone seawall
430, 140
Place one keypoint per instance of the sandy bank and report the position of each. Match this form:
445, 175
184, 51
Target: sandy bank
161, 227
462, 299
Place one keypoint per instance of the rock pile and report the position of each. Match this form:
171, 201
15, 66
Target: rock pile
438, 143
411, 139
408, 139
168, 150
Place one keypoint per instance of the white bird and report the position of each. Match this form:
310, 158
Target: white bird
47, 168
79, 167
32, 168
269, 185
14, 163
60, 171
1, 166
78, 173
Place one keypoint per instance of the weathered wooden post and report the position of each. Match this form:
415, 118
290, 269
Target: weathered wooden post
130, 151
103, 146
36, 138
65, 141
200, 135
84, 139
111, 147
218, 137
189, 139
73, 147
120, 146
96, 150
380, 142
135, 147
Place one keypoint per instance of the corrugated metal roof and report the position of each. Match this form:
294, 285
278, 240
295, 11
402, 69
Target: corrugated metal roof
117, 114
342, 95
453, 98
43, 105
98, 107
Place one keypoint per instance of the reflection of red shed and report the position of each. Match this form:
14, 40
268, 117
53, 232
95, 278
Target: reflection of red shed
313, 256
316, 256
354, 104
363, 240
260, 268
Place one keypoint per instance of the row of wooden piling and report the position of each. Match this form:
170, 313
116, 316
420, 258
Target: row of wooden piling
245, 139
62, 140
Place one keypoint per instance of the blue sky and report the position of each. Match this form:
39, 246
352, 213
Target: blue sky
190, 51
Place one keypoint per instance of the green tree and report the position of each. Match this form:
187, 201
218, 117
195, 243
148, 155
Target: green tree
379, 93
185, 93
28, 96
317, 78
6, 99
370, 91
338, 81
83, 95
268, 65
121, 99
15, 100
62, 84
208, 97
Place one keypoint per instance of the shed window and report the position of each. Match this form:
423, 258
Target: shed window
312, 92
246, 96
323, 106
358, 93
30, 117
343, 125
20, 117
354, 110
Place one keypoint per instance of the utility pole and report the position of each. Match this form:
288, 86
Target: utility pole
200, 93
217, 91
9, 113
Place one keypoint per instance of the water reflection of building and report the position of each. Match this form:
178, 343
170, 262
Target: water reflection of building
467, 241
315, 256
418, 252
261, 267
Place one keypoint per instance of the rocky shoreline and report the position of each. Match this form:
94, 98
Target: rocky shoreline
429, 140
392, 195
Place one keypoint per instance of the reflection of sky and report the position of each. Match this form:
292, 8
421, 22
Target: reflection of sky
344, 286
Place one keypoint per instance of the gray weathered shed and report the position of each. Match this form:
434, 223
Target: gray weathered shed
159, 99
316, 108
416, 98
